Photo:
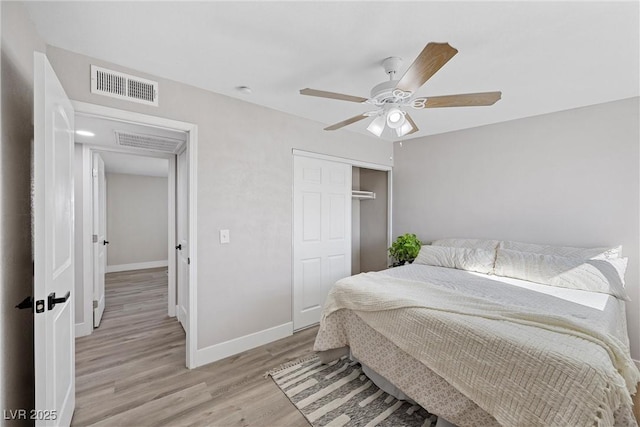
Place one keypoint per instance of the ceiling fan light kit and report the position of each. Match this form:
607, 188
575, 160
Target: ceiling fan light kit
377, 125
395, 118
405, 129
393, 97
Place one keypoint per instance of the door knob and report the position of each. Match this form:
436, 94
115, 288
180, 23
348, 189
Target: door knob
105, 242
52, 300
179, 247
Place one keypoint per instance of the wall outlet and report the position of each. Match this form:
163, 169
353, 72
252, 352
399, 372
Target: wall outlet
224, 236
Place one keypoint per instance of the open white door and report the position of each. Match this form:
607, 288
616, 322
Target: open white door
321, 234
100, 241
54, 344
182, 219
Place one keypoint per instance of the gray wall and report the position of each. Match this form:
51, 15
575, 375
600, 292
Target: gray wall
137, 218
373, 221
19, 41
244, 185
568, 178
355, 223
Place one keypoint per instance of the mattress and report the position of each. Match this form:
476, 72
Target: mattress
432, 391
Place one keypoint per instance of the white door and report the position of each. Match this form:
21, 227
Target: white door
100, 241
321, 234
53, 285
182, 219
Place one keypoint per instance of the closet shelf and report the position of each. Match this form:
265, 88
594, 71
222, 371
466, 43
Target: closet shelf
363, 195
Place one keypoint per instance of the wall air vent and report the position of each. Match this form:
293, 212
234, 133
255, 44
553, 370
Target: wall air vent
123, 86
149, 142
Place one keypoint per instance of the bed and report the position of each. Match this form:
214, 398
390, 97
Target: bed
461, 332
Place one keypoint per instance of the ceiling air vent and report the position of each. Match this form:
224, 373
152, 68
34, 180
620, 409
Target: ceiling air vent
149, 142
123, 86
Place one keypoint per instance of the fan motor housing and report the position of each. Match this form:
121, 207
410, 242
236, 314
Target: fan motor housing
383, 92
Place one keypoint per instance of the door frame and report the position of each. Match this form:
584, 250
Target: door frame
88, 150
353, 163
191, 129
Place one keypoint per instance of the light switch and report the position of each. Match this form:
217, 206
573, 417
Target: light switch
224, 236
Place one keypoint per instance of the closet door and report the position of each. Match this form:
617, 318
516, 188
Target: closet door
321, 234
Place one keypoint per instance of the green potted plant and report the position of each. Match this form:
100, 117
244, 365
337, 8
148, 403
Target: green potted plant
405, 249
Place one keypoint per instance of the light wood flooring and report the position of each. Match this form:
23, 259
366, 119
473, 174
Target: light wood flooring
131, 370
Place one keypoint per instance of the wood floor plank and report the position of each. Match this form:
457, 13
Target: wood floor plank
131, 370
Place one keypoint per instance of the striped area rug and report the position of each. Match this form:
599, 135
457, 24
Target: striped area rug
339, 394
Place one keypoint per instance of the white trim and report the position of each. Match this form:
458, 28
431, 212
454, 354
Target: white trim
137, 266
171, 248
87, 109
352, 162
83, 329
125, 150
84, 108
237, 345
389, 211
192, 334
87, 244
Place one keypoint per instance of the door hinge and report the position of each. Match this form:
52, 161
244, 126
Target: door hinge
94, 172
95, 238
95, 303
188, 260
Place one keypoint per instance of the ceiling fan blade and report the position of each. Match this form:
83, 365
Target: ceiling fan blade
332, 95
347, 122
431, 59
462, 100
413, 124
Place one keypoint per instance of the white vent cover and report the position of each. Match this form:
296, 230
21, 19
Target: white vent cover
149, 142
123, 86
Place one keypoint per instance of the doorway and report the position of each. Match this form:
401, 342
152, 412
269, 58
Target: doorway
139, 141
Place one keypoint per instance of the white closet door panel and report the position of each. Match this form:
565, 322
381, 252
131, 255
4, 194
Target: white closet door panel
337, 216
322, 234
311, 216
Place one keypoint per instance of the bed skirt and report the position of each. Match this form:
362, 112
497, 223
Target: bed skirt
412, 377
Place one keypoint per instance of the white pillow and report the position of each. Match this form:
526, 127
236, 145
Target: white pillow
565, 251
487, 245
596, 275
469, 259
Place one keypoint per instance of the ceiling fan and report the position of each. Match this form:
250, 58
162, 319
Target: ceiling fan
393, 97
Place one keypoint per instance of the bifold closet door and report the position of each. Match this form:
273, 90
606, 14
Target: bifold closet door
321, 234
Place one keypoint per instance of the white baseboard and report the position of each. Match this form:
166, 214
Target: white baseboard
237, 345
83, 329
136, 266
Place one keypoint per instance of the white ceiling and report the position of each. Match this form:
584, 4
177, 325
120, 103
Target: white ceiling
137, 162
543, 56
132, 164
